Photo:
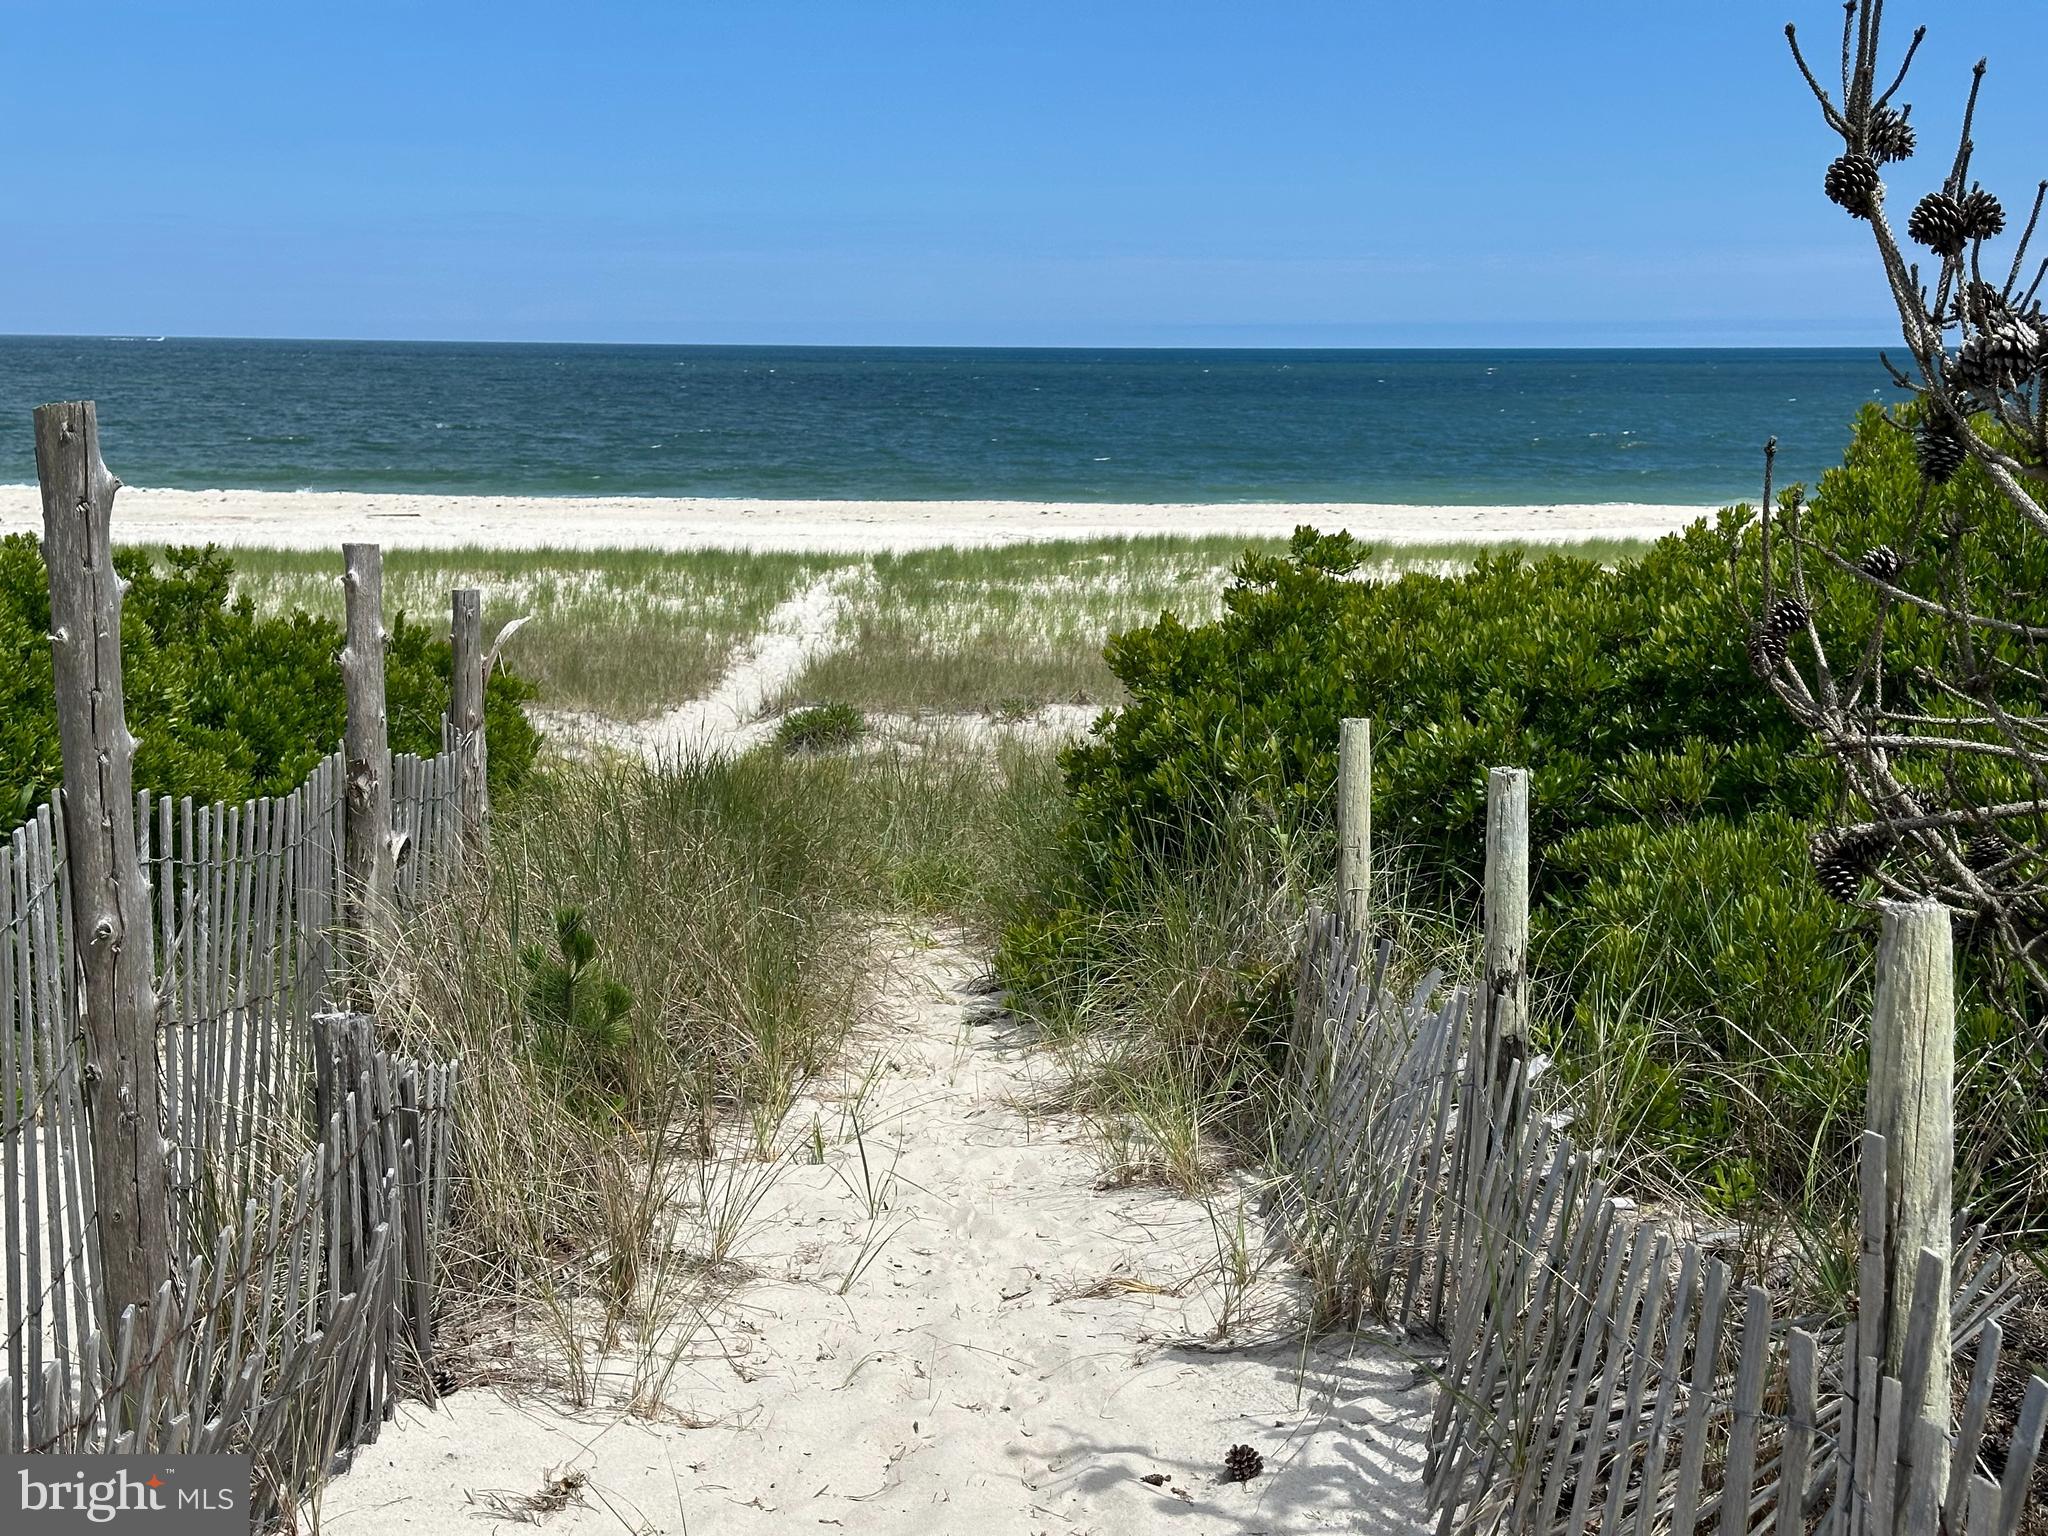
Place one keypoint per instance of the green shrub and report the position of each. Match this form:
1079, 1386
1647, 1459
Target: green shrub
821, 728
1700, 987
225, 703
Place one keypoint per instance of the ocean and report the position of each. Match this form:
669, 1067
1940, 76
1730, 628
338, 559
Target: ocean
1470, 427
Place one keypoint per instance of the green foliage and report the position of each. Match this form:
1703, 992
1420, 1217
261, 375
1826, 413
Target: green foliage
578, 1013
226, 703
1705, 994
1625, 690
821, 728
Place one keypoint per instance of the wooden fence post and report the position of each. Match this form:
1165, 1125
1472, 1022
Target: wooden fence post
466, 711
1507, 915
1354, 823
109, 902
369, 858
1911, 1104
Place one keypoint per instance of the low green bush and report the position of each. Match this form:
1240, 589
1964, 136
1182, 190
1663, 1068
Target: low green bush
225, 703
1698, 985
821, 728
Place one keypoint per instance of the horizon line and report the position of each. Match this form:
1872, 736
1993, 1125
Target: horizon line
950, 346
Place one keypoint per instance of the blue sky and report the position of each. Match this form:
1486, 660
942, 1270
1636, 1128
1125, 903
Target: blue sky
1027, 172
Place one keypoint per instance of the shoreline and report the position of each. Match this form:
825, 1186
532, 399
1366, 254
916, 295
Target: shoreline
412, 520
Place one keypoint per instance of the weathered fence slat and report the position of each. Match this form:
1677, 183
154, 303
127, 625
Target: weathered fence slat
1354, 823
369, 879
110, 913
466, 713
1506, 961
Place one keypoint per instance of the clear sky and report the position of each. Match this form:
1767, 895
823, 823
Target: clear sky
1013, 172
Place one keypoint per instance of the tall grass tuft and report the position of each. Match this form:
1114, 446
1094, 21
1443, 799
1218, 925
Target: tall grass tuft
1166, 1002
644, 953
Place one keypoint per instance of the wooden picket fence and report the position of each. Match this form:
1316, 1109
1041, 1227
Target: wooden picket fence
308, 1171
281, 1180
1598, 1370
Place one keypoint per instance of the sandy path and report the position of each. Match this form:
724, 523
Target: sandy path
730, 719
321, 519
727, 721
965, 1382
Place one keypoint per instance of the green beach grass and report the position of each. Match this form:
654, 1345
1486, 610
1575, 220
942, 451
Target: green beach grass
622, 633
1015, 626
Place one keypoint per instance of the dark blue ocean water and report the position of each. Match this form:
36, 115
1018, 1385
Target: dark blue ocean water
1457, 427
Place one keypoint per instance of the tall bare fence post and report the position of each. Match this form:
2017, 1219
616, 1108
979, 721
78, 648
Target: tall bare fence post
369, 857
466, 713
1354, 823
109, 902
1506, 999
1912, 1105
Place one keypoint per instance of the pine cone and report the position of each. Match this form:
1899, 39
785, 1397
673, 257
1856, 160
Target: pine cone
1786, 615
1765, 651
1881, 564
1940, 452
1978, 305
1891, 136
1241, 1464
1937, 223
1970, 368
2002, 355
1983, 850
1983, 214
1773, 632
1852, 182
1842, 859
2012, 346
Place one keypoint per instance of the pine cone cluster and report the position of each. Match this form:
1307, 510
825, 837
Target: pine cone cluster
1241, 1464
1945, 223
1939, 451
1841, 860
1852, 182
1891, 136
1881, 564
1937, 223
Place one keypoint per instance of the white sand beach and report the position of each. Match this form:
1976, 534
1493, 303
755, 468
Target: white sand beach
317, 519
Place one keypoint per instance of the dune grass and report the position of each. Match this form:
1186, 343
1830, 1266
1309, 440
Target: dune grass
1013, 627
623, 633
1457, 554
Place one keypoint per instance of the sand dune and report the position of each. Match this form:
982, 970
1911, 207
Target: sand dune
313, 519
